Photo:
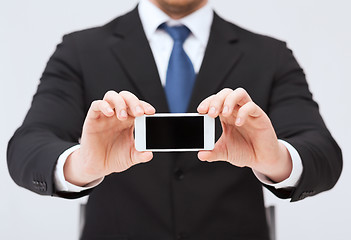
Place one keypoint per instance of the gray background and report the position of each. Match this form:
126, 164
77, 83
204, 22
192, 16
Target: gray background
317, 30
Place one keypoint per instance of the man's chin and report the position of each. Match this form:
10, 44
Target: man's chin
179, 7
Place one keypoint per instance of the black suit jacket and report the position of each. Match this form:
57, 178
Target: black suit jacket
175, 195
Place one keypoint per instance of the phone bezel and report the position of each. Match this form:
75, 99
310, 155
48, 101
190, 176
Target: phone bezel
140, 132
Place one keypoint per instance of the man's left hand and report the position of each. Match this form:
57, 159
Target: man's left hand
248, 138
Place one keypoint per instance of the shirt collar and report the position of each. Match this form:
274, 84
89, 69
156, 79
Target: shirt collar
198, 22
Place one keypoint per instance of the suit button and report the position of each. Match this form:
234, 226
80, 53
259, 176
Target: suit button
179, 174
36, 184
45, 186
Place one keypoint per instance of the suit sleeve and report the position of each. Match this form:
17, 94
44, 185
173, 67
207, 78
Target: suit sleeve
52, 125
296, 119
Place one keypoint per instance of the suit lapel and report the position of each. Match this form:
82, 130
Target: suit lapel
133, 52
222, 53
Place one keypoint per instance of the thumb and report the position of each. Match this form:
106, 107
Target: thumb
142, 157
217, 154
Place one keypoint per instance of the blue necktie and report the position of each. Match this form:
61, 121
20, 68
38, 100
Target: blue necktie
180, 73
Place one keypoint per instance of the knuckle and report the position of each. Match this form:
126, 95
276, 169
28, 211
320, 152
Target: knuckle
252, 104
211, 98
241, 90
110, 94
207, 100
95, 103
127, 94
217, 101
124, 93
227, 90
249, 107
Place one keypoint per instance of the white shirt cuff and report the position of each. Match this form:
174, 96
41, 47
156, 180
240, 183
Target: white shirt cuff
59, 178
296, 172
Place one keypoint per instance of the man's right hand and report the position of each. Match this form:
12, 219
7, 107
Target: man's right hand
107, 142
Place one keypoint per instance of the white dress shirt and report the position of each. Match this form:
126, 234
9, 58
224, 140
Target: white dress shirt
161, 45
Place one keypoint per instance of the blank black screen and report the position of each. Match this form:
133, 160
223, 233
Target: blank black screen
174, 132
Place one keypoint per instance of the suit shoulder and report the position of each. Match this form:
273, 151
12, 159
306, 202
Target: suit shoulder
255, 39
99, 33
94, 32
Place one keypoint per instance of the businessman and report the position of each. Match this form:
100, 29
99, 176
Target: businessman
173, 56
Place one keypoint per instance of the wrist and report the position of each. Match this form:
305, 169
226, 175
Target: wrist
280, 168
75, 171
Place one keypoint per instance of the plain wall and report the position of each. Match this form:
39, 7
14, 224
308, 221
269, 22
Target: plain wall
317, 31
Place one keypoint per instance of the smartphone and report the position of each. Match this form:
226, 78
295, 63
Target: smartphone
174, 132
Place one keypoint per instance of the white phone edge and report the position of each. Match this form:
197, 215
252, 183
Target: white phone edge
140, 136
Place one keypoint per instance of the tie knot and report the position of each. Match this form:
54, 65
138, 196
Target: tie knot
177, 33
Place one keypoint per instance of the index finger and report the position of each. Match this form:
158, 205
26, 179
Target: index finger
238, 97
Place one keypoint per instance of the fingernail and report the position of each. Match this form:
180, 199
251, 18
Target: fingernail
225, 109
138, 109
109, 110
238, 121
123, 113
150, 109
212, 110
